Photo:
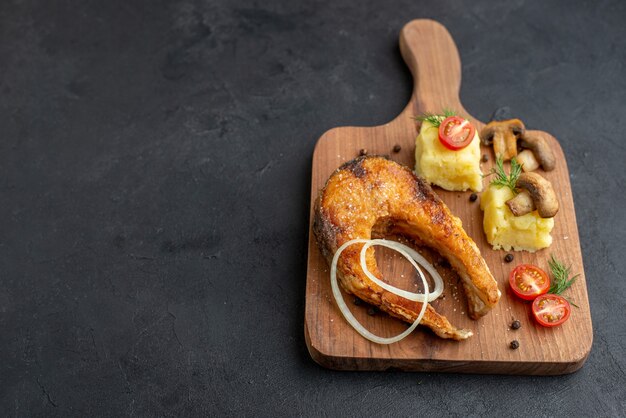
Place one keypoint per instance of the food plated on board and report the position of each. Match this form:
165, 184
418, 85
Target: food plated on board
372, 196
508, 339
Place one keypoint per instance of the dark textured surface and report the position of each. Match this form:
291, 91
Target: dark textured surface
154, 188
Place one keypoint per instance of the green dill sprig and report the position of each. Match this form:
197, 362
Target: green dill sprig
433, 119
561, 274
504, 180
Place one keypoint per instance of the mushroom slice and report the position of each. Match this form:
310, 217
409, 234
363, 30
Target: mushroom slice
541, 195
540, 147
503, 134
521, 204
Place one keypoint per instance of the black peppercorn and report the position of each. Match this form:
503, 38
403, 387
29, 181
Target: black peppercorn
514, 344
444, 263
358, 302
516, 324
397, 148
508, 258
485, 158
362, 151
372, 311
473, 197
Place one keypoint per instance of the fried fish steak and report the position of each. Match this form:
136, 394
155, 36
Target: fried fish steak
372, 194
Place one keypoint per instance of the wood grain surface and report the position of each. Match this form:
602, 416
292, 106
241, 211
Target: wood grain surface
431, 54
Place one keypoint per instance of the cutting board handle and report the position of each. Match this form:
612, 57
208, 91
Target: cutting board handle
435, 65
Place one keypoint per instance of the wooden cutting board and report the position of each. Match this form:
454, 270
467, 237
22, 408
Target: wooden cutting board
430, 53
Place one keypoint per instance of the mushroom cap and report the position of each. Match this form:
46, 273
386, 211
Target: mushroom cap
541, 149
542, 193
515, 126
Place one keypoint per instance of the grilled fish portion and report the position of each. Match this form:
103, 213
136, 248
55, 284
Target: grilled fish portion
372, 193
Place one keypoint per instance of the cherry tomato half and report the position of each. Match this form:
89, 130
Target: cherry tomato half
528, 281
551, 310
456, 133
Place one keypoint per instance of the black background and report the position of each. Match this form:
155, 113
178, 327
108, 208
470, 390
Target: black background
155, 162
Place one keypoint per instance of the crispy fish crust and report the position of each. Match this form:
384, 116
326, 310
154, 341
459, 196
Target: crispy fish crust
374, 193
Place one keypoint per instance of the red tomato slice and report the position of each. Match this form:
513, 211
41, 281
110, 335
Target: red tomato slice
456, 133
551, 310
528, 281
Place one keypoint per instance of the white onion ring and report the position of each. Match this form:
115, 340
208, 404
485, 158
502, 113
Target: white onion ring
346, 311
412, 255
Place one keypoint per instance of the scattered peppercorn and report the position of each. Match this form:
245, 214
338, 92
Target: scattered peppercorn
397, 148
358, 302
485, 158
362, 151
444, 263
508, 258
514, 344
516, 324
372, 311
473, 197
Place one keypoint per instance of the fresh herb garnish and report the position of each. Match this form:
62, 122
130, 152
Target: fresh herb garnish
561, 281
435, 120
504, 180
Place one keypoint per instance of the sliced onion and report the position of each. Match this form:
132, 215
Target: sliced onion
346, 311
410, 254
